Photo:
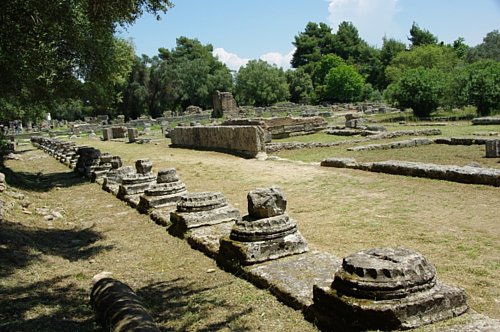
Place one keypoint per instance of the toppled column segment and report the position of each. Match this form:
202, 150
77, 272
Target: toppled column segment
117, 308
386, 289
266, 233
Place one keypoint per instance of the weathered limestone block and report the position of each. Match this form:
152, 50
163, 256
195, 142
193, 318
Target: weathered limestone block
223, 102
201, 209
133, 134
118, 308
266, 202
143, 166
119, 131
386, 289
266, 233
167, 191
493, 149
245, 140
107, 134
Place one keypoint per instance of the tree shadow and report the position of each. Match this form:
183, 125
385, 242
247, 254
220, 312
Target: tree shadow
20, 245
179, 305
55, 304
42, 182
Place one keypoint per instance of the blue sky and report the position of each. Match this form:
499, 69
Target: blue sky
240, 30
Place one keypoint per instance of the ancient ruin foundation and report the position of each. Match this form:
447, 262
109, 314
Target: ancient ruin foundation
266, 233
387, 289
133, 185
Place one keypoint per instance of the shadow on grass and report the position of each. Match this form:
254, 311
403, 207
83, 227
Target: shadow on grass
55, 304
42, 182
20, 245
178, 305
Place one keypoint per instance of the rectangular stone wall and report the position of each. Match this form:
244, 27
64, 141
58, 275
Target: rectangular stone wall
242, 140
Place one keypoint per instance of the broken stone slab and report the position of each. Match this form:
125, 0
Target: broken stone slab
387, 289
206, 239
291, 279
201, 209
143, 166
339, 162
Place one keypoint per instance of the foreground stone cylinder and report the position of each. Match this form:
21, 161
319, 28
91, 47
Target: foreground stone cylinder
117, 308
386, 289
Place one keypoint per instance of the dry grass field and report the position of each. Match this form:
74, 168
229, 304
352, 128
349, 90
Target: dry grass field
50, 263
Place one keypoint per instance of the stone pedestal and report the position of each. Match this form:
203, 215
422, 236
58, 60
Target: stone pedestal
133, 185
114, 177
167, 191
119, 132
493, 149
107, 134
386, 289
133, 134
88, 159
201, 209
266, 233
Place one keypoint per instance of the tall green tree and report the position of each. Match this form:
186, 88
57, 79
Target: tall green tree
48, 48
311, 45
261, 84
420, 37
488, 49
301, 86
478, 84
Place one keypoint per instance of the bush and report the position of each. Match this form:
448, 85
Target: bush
420, 89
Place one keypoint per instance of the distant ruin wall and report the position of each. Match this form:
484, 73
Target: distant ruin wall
281, 127
243, 140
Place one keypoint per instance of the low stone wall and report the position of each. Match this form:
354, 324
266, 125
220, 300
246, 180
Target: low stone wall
465, 174
488, 120
393, 145
462, 141
282, 127
248, 141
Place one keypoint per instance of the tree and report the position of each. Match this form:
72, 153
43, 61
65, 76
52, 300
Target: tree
461, 48
488, 49
260, 84
478, 84
300, 85
421, 89
311, 44
343, 84
438, 57
48, 48
420, 37
390, 49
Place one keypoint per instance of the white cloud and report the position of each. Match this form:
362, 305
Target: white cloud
278, 59
372, 18
233, 61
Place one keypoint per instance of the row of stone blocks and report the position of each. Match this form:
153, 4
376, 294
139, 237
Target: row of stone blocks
384, 288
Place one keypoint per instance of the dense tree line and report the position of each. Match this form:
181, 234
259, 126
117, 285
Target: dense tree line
64, 57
